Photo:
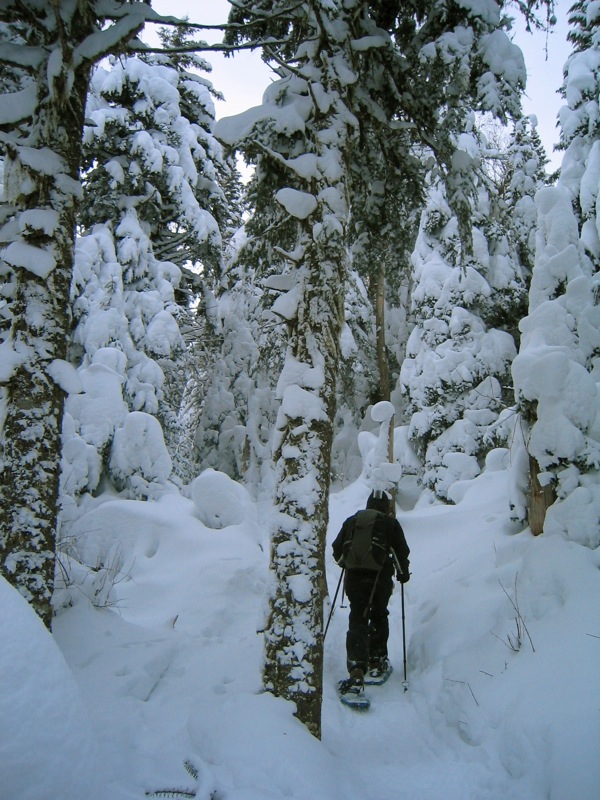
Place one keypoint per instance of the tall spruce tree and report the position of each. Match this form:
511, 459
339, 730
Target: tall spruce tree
457, 368
339, 65
42, 124
48, 50
556, 371
457, 374
523, 172
235, 398
242, 382
124, 302
151, 142
150, 153
306, 129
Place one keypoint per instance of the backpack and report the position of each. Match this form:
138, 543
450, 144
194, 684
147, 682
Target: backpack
365, 546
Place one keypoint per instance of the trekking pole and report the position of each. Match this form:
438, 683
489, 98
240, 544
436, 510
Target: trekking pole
333, 604
405, 684
399, 568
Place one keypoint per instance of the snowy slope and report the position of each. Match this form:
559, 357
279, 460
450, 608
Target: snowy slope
169, 671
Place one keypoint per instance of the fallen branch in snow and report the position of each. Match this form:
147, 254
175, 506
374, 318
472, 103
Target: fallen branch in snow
194, 772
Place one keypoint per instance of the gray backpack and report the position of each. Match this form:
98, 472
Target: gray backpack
366, 545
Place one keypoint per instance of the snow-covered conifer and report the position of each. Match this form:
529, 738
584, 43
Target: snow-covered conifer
242, 379
524, 173
459, 352
346, 61
151, 155
305, 128
579, 121
55, 46
556, 380
470, 272
236, 398
457, 374
150, 145
43, 118
123, 298
556, 371
388, 176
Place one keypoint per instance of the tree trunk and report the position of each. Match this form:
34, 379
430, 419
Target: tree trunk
42, 192
540, 498
306, 388
382, 360
294, 635
42, 182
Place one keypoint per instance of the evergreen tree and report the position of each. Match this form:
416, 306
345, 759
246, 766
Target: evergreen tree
306, 129
339, 65
460, 350
152, 143
123, 299
151, 150
236, 396
579, 120
470, 282
49, 51
43, 121
556, 372
523, 174
387, 192
555, 377
242, 380
359, 381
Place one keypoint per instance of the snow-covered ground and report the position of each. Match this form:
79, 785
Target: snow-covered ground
158, 693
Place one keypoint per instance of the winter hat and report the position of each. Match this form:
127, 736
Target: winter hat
379, 500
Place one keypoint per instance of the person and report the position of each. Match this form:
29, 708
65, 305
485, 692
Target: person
368, 592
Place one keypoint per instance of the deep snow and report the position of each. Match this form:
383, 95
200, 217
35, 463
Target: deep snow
164, 680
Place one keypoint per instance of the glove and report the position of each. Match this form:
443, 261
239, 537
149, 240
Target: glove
402, 577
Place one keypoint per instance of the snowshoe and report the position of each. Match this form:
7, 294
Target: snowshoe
378, 673
352, 693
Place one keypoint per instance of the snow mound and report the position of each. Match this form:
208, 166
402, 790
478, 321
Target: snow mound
139, 459
219, 500
46, 745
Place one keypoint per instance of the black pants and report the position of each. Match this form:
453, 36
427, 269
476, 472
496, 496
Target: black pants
368, 627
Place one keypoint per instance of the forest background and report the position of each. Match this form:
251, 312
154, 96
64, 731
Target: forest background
400, 246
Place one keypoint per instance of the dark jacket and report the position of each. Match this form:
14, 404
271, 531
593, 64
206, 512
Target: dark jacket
393, 532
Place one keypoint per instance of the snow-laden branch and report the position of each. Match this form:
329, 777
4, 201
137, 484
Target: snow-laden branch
114, 10
18, 55
102, 43
18, 106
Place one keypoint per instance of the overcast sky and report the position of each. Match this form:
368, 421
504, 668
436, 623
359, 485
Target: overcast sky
242, 78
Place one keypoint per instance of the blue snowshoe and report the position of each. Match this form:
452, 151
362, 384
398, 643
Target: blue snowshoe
352, 693
379, 671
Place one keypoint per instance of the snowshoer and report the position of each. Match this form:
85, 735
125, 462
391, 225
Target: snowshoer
369, 589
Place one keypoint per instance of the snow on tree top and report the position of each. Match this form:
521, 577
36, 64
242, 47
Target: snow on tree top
382, 411
487, 10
